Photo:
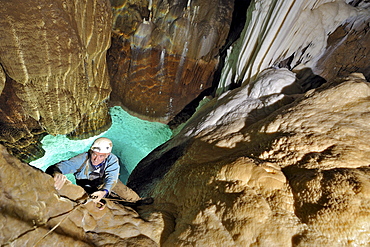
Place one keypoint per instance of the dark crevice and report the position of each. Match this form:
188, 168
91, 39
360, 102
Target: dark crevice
286, 63
153, 167
308, 80
357, 3
236, 27
237, 23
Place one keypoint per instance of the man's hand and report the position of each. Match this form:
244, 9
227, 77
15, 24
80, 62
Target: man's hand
59, 180
98, 195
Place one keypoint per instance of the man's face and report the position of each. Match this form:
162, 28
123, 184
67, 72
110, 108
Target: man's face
97, 158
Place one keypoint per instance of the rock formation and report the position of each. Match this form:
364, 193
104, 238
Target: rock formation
277, 156
300, 35
164, 53
33, 213
54, 76
298, 176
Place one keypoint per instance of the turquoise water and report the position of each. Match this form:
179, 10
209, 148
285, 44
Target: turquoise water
132, 139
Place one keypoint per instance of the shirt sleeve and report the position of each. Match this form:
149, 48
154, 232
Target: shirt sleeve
111, 173
71, 165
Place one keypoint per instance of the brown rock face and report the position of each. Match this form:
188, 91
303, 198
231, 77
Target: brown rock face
347, 51
162, 59
53, 78
298, 177
19, 131
34, 214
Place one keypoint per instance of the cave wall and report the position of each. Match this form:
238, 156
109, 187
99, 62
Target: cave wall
165, 53
54, 75
33, 213
57, 74
255, 166
296, 176
324, 38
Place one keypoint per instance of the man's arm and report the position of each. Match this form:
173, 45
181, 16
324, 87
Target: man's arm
56, 173
65, 167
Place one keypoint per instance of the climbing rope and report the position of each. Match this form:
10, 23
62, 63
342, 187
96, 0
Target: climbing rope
100, 205
79, 204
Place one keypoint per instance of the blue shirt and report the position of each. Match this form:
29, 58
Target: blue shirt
82, 161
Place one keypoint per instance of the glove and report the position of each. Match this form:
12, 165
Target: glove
59, 180
98, 195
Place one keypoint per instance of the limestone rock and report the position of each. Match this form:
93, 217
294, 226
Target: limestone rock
256, 166
347, 50
330, 38
53, 71
33, 213
54, 66
296, 177
2, 80
165, 54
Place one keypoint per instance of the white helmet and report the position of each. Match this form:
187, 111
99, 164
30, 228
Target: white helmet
102, 145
